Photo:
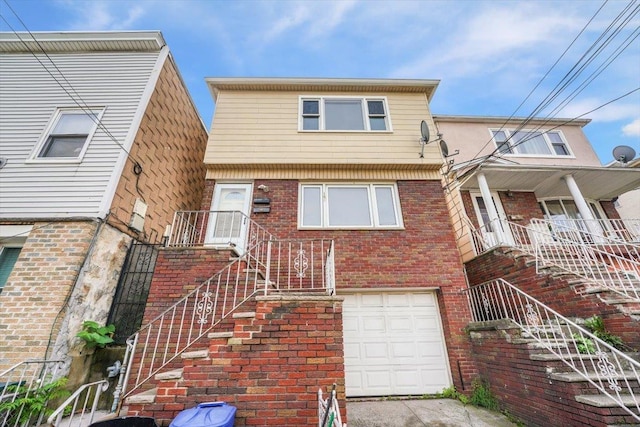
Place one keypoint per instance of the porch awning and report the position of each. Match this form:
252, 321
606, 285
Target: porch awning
596, 183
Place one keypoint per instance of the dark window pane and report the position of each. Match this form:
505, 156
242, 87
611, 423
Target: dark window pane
310, 123
560, 149
376, 107
310, 107
377, 123
64, 146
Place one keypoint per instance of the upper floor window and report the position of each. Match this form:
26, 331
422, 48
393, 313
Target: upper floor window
344, 114
533, 143
68, 134
349, 206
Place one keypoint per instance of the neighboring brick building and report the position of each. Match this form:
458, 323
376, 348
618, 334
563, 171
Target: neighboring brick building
90, 166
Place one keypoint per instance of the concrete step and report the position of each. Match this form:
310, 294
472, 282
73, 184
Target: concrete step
244, 315
603, 401
574, 377
176, 374
214, 335
148, 396
195, 354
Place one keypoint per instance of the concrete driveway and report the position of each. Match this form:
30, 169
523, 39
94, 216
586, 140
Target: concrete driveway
420, 413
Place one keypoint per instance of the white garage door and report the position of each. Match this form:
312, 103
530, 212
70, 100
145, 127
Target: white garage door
393, 344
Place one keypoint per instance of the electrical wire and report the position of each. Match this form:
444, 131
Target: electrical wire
75, 97
571, 76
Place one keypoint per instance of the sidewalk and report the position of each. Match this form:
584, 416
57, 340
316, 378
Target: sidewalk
420, 413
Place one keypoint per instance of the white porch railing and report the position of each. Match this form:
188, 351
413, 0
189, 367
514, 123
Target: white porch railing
608, 370
82, 406
214, 228
26, 380
267, 265
611, 264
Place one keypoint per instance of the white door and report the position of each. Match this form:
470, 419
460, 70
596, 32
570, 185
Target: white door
487, 227
228, 223
393, 344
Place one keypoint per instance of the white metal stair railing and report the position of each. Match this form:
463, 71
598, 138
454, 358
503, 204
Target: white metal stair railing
612, 264
22, 381
189, 228
290, 265
609, 371
608, 263
81, 406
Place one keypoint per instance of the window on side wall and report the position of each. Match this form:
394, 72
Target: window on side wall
530, 143
349, 206
67, 135
344, 114
8, 258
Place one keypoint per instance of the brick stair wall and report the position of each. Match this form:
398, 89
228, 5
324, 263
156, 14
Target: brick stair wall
563, 292
271, 369
526, 388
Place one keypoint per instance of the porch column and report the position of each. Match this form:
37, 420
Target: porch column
491, 207
582, 206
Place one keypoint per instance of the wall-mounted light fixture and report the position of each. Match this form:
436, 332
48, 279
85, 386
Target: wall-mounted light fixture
510, 194
263, 187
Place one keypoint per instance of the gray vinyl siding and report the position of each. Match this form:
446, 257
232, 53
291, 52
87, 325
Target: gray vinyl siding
30, 97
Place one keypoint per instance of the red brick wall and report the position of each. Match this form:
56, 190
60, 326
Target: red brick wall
292, 348
423, 255
555, 291
610, 209
522, 204
525, 389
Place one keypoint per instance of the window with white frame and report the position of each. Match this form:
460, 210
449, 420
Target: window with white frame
344, 114
532, 143
349, 206
68, 135
8, 258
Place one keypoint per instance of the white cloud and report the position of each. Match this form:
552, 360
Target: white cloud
632, 129
492, 39
105, 15
615, 111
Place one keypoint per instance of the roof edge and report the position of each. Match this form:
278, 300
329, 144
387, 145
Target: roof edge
504, 119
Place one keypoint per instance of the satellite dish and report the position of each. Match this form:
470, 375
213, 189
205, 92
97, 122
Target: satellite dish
444, 148
3, 161
424, 131
624, 153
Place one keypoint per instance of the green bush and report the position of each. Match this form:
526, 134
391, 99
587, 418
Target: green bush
481, 395
595, 325
29, 405
95, 335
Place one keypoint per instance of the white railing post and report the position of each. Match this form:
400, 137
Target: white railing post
267, 271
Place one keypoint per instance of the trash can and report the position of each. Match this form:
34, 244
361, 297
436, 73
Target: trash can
211, 414
127, 422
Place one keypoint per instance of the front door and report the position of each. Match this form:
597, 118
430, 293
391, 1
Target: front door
229, 218
487, 227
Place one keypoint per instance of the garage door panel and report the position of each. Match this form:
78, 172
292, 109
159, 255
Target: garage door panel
395, 346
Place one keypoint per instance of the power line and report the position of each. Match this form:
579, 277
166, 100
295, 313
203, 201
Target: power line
82, 105
570, 76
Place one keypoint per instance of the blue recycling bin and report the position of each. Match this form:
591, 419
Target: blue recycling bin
211, 414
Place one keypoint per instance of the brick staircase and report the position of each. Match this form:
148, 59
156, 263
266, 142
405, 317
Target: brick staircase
538, 386
269, 363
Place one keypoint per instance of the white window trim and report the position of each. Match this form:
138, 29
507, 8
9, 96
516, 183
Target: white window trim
365, 111
34, 156
372, 206
590, 203
553, 154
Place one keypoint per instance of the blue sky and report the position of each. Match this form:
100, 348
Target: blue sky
488, 55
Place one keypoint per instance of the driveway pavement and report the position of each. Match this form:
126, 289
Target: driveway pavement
420, 413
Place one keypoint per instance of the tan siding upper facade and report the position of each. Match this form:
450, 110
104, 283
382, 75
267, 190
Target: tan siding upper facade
261, 128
